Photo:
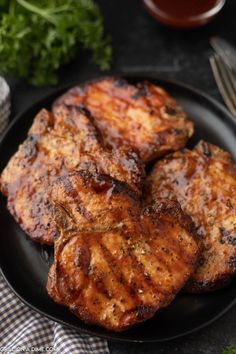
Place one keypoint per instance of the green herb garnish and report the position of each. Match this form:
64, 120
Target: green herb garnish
37, 37
230, 350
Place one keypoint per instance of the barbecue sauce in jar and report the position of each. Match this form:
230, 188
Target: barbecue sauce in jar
184, 13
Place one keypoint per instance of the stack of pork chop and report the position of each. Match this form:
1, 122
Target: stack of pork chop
123, 252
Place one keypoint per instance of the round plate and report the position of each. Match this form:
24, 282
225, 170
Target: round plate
25, 264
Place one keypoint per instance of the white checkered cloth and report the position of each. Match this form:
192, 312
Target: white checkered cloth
23, 330
5, 104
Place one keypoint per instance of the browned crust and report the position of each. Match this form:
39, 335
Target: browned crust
203, 181
142, 291
170, 134
54, 146
195, 287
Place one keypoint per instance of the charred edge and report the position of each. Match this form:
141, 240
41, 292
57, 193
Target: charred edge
232, 263
30, 147
120, 82
206, 149
138, 314
201, 287
143, 312
172, 111
103, 182
165, 137
226, 237
56, 234
142, 91
82, 109
173, 209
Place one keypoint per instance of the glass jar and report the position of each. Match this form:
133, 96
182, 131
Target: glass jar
184, 13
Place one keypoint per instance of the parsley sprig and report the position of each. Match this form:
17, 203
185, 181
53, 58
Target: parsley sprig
37, 37
230, 350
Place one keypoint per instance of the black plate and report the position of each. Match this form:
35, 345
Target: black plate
25, 265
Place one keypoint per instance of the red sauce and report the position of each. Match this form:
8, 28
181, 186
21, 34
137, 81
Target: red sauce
184, 13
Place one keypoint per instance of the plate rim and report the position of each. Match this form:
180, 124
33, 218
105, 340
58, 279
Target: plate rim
60, 90
117, 339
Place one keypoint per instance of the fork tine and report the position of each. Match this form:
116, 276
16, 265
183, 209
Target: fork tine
225, 50
231, 76
227, 79
223, 84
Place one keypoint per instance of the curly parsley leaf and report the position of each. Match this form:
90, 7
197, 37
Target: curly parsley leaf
230, 350
36, 40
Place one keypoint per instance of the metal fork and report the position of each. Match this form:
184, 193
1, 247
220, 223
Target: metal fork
225, 50
225, 80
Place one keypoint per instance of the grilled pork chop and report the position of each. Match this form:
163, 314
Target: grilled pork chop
204, 182
56, 144
144, 116
128, 262
92, 201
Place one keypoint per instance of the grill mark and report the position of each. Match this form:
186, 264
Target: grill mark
101, 288
164, 100
74, 295
83, 110
176, 247
73, 194
183, 224
98, 287
145, 279
113, 95
180, 250
57, 271
176, 250
111, 261
161, 260
105, 163
146, 96
88, 280
89, 277
98, 282
82, 258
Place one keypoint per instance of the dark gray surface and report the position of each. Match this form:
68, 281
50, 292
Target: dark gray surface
142, 45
